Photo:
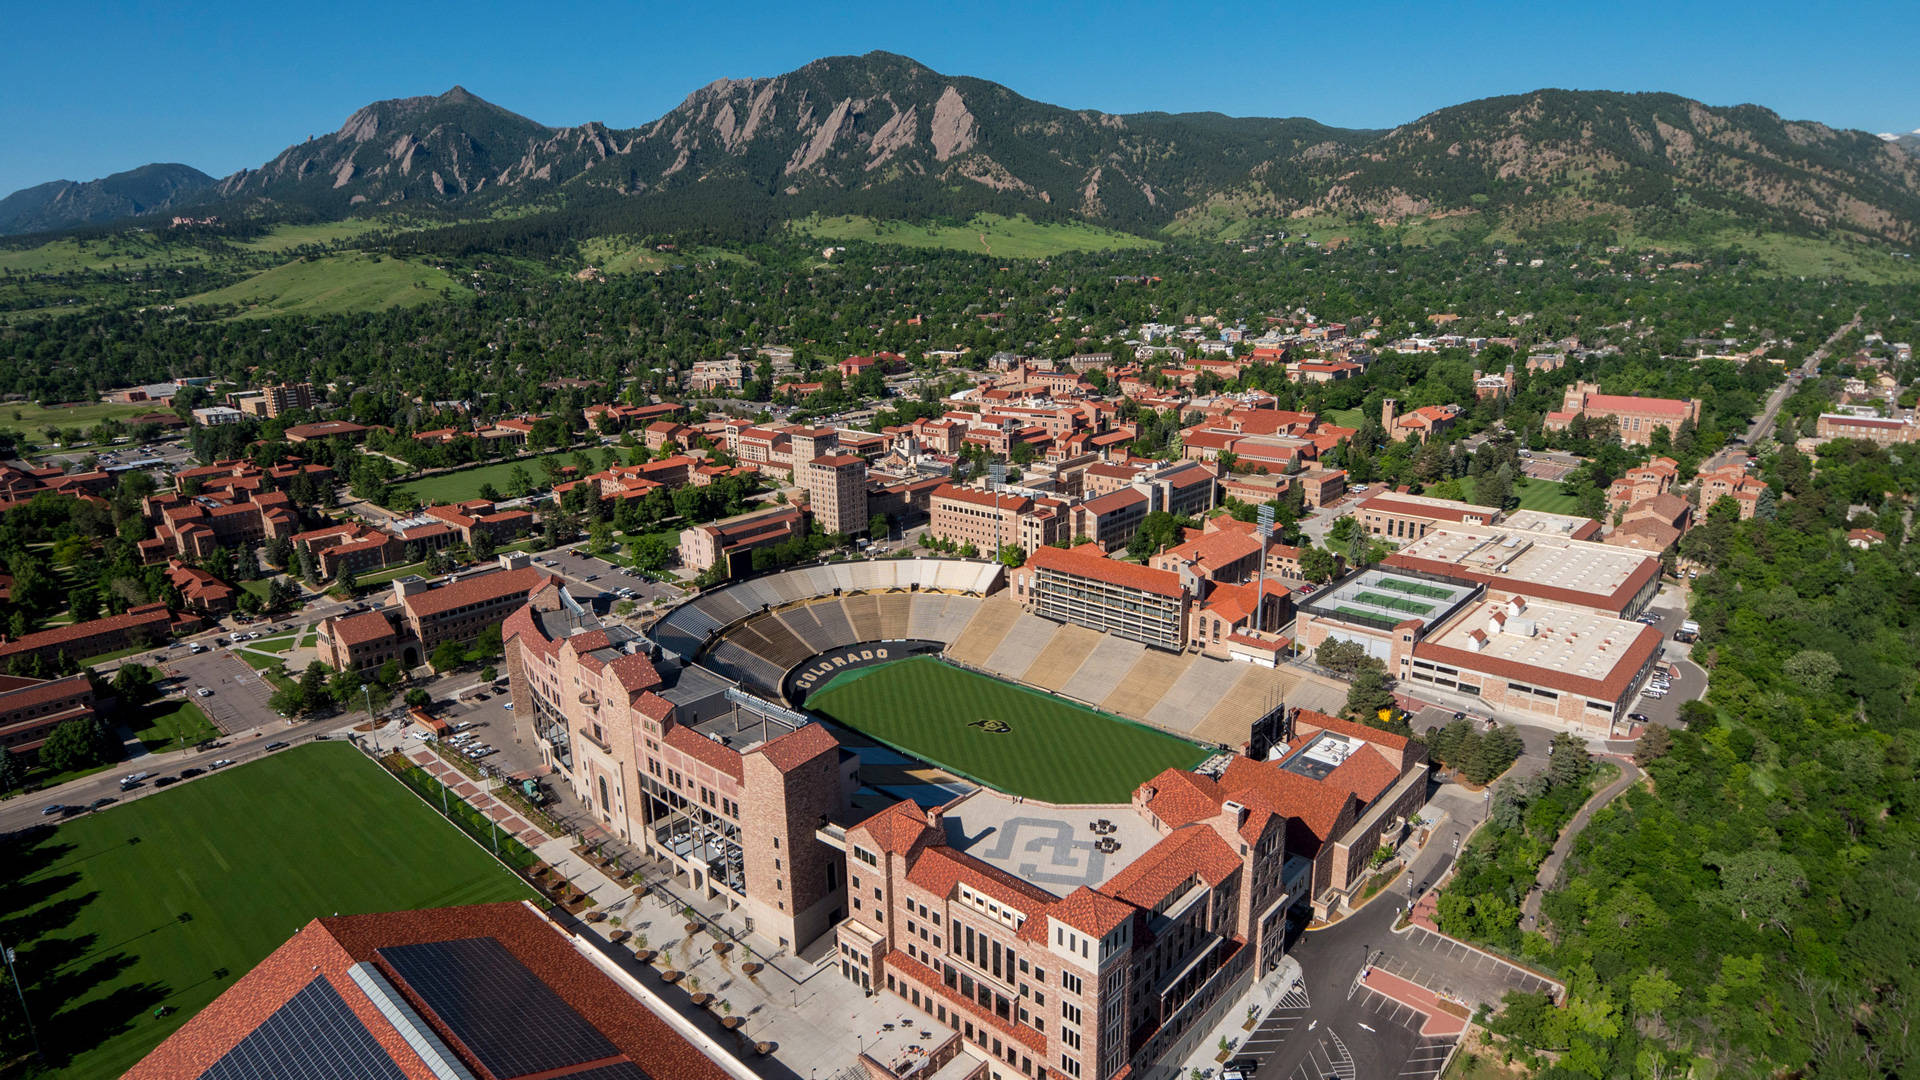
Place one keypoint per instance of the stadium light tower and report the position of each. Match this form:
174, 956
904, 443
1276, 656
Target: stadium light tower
996, 479
1264, 527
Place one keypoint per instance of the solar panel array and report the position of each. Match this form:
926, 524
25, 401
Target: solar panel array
624, 1070
510, 1020
314, 1036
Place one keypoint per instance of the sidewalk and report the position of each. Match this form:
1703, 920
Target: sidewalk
818, 1024
1233, 1025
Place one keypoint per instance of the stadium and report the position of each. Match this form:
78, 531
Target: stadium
932, 659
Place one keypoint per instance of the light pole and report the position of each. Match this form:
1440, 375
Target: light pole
22, 992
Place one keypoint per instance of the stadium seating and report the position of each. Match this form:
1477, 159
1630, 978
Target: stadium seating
876, 600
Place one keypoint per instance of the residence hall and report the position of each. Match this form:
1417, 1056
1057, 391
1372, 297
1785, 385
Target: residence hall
423, 615
140, 626
485, 992
1099, 941
730, 542
671, 761
1519, 653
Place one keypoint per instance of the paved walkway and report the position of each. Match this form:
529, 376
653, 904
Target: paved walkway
1439, 1023
1549, 874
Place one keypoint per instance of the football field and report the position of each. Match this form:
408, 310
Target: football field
165, 902
1012, 738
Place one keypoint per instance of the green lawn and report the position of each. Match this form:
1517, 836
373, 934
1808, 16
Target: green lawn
279, 644
463, 484
1549, 496
30, 421
334, 284
986, 234
390, 574
1345, 417
168, 900
258, 662
1056, 751
117, 654
168, 724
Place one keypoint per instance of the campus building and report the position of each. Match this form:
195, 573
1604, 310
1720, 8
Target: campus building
836, 486
31, 708
730, 542
1498, 643
486, 992
991, 519
1546, 565
728, 790
425, 615
193, 526
1423, 424
1399, 518
1731, 482
1175, 609
1066, 942
1637, 418
141, 626
1879, 430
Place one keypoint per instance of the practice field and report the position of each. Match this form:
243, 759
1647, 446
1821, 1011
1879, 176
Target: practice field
1051, 749
168, 900
463, 484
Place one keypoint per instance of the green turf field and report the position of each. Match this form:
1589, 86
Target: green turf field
168, 900
1056, 751
463, 484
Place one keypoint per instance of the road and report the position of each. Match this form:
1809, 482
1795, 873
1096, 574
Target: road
1549, 875
1763, 425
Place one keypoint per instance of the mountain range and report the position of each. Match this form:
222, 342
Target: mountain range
883, 135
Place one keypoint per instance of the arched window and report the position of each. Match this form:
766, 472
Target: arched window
605, 803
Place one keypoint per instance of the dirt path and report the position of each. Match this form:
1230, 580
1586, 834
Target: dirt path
984, 244
1550, 867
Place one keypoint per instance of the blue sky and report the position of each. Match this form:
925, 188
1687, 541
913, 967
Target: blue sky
91, 88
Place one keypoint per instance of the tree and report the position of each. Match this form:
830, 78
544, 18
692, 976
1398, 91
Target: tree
12, 773
134, 683
1370, 694
877, 527
1011, 555
1570, 763
1339, 656
1654, 744
1812, 668
75, 744
1318, 565
1760, 884
447, 655
418, 698
348, 582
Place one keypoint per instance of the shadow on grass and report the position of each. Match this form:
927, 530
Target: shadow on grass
59, 967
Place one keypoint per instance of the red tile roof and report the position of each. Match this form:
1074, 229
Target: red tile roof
704, 750
1081, 563
1181, 797
478, 589
1091, 913
898, 828
149, 616
794, 749
359, 629
1195, 850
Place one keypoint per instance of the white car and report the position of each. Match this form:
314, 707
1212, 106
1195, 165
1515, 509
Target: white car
204, 692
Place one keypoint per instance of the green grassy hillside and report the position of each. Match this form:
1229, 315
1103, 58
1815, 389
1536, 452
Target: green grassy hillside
334, 284
986, 234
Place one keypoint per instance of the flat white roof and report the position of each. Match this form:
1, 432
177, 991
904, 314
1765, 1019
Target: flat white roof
1530, 558
1565, 639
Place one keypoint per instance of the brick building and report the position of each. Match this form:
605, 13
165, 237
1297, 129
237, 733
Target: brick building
425, 615
1516, 652
1636, 417
1731, 482
836, 486
989, 519
144, 625
31, 708
1425, 423
1879, 430
731, 798
731, 541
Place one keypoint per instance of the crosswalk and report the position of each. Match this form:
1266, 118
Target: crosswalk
1328, 1058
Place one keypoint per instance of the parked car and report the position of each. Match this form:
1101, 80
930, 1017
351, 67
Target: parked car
102, 801
204, 692
276, 746
1640, 718
166, 781
188, 774
51, 809
221, 764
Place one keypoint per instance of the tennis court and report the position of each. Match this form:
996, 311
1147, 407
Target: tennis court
1395, 603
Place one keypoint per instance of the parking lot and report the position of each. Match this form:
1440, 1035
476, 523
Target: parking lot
1298, 1041
595, 576
1428, 1054
239, 699
1449, 968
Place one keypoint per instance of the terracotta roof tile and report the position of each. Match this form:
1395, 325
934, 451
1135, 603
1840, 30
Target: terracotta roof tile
794, 749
